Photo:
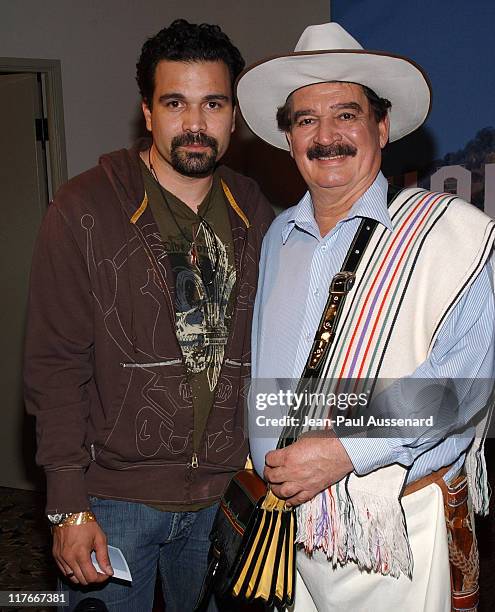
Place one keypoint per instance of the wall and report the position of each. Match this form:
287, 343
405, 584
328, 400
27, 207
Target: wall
99, 42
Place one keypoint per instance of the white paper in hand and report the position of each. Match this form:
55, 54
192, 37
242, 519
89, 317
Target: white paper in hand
118, 563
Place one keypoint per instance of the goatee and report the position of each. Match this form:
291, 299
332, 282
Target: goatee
194, 163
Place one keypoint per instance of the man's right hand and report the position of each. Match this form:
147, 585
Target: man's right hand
72, 547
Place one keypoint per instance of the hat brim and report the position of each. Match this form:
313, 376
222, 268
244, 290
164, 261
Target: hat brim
265, 86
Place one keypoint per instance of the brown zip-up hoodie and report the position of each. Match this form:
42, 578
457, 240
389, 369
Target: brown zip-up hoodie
103, 372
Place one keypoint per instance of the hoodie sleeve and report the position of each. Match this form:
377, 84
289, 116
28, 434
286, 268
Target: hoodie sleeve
58, 372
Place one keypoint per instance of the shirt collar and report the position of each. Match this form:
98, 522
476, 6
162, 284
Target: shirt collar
372, 204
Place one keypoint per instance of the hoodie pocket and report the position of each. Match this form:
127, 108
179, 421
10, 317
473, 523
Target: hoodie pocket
152, 421
155, 364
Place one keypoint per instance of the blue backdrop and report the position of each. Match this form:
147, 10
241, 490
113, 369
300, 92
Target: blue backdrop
453, 41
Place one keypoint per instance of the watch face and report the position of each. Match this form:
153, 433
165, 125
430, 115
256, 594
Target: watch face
55, 519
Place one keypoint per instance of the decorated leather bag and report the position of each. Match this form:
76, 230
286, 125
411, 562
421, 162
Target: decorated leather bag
252, 546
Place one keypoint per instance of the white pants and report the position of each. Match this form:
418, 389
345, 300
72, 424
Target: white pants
320, 587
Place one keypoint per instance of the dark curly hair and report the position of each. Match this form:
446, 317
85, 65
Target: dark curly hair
379, 106
185, 42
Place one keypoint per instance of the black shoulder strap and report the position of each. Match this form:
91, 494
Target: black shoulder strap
340, 286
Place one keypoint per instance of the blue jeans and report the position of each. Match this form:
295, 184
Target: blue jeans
175, 543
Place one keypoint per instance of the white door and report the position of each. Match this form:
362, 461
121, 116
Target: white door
23, 200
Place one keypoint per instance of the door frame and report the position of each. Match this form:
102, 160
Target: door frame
51, 69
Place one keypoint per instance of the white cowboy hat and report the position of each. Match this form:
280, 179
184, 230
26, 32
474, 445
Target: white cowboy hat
325, 53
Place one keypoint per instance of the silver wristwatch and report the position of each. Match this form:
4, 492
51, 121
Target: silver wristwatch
56, 519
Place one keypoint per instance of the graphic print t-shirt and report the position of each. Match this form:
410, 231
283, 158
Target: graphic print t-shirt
203, 290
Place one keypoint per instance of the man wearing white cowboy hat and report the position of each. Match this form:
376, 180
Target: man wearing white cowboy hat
415, 303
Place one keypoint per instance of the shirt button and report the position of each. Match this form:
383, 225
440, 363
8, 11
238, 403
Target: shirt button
308, 337
324, 247
317, 292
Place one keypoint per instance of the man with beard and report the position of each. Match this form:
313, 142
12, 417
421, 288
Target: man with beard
141, 299
362, 286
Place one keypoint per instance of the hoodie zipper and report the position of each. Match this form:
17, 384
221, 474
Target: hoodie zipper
194, 461
154, 364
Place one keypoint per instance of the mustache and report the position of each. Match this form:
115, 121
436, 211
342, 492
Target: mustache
199, 138
317, 150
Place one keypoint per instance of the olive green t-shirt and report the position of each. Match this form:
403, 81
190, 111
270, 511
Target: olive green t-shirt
204, 288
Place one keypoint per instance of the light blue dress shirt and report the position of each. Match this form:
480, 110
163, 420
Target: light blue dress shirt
296, 268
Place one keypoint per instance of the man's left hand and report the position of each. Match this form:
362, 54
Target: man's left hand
306, 467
